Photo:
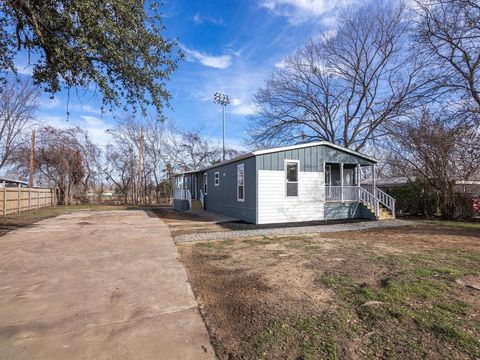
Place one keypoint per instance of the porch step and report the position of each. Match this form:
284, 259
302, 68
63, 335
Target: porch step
384, 214
196, 205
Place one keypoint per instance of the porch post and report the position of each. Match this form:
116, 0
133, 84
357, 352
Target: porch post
373, 176
358, 174
358, 181
341, 179
182, 196
324, 184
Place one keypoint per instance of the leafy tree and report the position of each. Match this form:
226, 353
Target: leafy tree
116, 45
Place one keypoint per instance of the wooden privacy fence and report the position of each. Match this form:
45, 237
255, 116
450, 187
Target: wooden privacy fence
17, 199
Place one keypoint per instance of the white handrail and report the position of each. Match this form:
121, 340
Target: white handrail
370, 199
189, 198
202, 199
385, 199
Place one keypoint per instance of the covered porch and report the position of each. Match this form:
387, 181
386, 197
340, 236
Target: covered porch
188, 192
343, 184
343, 181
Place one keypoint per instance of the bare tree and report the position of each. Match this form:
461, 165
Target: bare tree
196, 151
344, 88
18, 103
440, 150
118, 168
449, 31
62, 160
166, 150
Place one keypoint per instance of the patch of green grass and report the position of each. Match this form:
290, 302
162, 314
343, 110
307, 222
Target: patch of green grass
276, 334
447, 322
333, 280
305, 336
451, 223
419, 281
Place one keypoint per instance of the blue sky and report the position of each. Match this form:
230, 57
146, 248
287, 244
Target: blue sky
230, 46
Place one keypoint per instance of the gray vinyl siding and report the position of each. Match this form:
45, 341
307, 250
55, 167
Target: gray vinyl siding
311, 158
222, 199
334, 155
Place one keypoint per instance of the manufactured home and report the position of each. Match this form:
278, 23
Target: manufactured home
307, 182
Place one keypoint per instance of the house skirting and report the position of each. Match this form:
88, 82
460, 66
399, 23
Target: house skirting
339, 211
181, 205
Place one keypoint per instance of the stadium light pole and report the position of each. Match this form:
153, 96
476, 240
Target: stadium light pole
222, 100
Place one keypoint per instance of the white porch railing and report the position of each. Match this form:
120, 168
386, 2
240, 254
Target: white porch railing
182, 194
370, 195
335, 193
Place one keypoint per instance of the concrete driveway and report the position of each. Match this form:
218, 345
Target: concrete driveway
97, 285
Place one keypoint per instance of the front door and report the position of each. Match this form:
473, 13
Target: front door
348, 177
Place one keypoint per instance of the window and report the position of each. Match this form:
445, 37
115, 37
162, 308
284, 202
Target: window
217, 178
205, 183
291, 173
240, 182
328, 175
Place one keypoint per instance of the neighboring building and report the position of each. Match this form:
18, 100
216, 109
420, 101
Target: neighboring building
5, 182
315, 181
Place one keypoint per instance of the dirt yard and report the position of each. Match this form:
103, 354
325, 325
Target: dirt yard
406, 293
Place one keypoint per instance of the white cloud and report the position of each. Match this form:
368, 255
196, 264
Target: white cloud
92, 121
244, 109
48, 103
96, 128
281, 64
24, 69
300, 11
235, 102
201, 19
217, 62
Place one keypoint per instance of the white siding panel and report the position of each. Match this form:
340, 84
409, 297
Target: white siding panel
275, 207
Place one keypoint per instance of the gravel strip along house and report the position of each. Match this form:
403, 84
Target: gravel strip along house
306, 182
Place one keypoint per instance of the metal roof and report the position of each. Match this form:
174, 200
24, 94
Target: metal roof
7, 180
278, 149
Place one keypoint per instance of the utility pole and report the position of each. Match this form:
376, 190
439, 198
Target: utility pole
140, 153
32, 161
132, 174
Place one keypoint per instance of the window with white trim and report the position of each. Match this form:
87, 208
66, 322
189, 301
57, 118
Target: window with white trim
217, 178
205, 183
328, 175
291, 177
240, 182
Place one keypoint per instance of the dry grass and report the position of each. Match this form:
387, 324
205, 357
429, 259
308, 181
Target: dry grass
388, 293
